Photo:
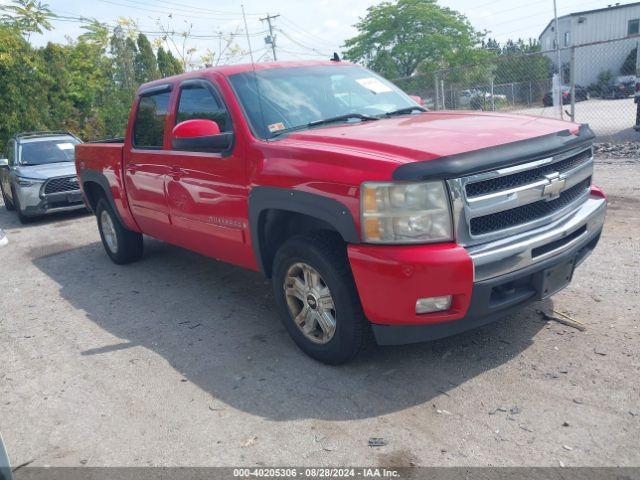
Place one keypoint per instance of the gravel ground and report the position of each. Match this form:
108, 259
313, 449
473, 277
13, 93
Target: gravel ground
181, 360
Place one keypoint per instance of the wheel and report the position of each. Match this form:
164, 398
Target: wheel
123, 246
24, 219
318, 301
7, 203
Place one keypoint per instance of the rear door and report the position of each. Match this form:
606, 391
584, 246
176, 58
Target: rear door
146, 163
207, 192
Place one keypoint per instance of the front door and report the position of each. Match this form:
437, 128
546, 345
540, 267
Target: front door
146, 166
207, 192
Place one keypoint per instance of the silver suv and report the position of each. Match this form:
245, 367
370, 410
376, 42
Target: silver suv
38, 175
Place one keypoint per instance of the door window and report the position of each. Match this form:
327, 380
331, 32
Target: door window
202, 103
148, 129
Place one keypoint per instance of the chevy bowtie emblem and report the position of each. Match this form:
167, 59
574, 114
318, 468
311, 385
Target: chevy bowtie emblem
552, 190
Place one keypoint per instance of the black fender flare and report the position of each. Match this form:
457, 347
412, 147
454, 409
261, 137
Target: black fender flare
317, 206
87, 176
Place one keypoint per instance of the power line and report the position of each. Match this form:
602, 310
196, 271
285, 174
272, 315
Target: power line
170, 13
302, 45
301, 31
191, 8
71, 18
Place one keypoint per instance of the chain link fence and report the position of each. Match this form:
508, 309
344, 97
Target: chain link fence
596, 85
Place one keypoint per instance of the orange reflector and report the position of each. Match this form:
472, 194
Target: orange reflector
369, 197
372, 228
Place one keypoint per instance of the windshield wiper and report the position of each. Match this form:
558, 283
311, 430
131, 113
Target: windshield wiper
342, 118
315, 123
404, 111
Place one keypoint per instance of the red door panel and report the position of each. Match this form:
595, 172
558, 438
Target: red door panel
207, 198
146, 166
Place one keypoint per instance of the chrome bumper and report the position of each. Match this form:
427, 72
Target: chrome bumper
520, 251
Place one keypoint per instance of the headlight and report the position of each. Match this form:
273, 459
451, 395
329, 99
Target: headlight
405, 212
27, 182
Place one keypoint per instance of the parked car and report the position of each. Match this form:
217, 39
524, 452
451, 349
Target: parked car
582, 94
479, 99
38, 175
621, 87
383, 217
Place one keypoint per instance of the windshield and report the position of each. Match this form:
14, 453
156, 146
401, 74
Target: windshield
295, 97
47, 151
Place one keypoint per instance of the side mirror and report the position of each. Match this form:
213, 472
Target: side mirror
4, 162
199, 135
417, 99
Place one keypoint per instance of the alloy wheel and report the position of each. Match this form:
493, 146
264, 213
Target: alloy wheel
310, 303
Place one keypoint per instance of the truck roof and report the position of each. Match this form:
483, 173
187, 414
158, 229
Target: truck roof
228, 70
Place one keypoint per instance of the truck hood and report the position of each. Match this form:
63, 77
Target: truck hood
45, 171
431, 135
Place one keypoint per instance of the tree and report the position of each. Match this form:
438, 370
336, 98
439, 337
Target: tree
167, 64
123, 50
518, 61
23, 100
146, 65
28, 16
396, 38
178, 41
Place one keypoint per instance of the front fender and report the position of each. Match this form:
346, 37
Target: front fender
323, 208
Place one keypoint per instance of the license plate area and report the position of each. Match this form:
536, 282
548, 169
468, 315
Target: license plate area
74, 197
556, 278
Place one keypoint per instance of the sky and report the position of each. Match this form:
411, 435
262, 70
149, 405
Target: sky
305, 29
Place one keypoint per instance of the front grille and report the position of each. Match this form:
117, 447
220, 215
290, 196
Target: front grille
527, 213
60, 185
528, 176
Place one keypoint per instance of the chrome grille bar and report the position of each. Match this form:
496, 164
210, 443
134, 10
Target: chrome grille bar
502, 195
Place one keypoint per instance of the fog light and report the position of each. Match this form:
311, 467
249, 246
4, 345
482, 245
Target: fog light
433, 304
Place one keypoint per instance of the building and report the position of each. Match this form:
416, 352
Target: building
585, 28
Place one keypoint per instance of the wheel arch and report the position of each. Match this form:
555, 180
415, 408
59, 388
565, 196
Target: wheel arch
95, 186
274, 213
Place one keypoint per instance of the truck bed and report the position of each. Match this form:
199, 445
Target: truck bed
97, 156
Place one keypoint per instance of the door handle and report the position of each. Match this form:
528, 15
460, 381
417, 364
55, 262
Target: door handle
176, 173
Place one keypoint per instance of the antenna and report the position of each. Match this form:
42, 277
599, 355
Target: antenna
253, 66
246, 31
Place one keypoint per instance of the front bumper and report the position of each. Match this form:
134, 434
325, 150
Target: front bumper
486, 282
34, 202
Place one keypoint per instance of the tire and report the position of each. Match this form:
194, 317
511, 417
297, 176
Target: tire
7, 203
123, 246
327, 257
24, 219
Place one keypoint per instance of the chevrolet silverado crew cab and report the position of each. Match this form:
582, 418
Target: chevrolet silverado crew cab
369, 214
38, 174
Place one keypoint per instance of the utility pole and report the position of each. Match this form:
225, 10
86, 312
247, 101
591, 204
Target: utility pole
271, 39
558, 94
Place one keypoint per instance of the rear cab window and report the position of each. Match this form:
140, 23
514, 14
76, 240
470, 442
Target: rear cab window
148, 127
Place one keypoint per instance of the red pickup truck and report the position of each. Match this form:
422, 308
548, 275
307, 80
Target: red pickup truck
370, 214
